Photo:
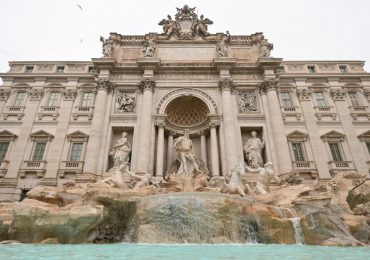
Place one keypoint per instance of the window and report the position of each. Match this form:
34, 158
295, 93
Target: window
335, 151
343, 68
19, 99
3, 149
60, 69
76, 151
368, 146
38, 153
353, 97
29, 69
87, 98
311, 69
298, 152
53, 99
320, 99
286, 99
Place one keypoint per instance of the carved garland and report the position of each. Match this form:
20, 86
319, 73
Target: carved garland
337, 94
36, 94
304, 94
69, 94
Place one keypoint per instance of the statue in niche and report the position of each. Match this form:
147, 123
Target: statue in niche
265, 176
201, 25
253, 151
223, 45
149, 48
184, 148
248, 102
169, 26
107, 47
121, 151
125, 102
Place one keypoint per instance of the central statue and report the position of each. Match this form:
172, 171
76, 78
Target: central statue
184, 148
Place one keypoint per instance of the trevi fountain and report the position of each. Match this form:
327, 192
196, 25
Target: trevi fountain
223, 207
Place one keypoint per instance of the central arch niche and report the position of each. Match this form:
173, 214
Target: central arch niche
187, 112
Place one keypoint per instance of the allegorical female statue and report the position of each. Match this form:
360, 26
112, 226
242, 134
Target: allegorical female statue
121, 151
253, 151
184, 148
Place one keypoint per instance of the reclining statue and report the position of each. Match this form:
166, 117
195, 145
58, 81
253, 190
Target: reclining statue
265, 176
117, 180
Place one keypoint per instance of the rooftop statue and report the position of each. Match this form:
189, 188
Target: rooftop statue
107, 47
223, 45
186, 25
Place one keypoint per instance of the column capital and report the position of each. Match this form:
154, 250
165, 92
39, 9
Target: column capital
69, 94
304, 94
226, 84
4, 94
202, 132
268, 84
337, 94
105, 84
214, 123
160, 123
147, 84
36, 94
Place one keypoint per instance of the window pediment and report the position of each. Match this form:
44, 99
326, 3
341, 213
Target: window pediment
365, 136
77, 136
6, 135
297, 136
41, 135
333, 135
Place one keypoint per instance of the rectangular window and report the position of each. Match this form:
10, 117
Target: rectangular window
336, 151
286, 99
298, 151
19, 99
53, 99
353, 97
60, 69
320, 99
87, 99
29, 69
3, 149
343, 68
311, 69
38, 153
76, 152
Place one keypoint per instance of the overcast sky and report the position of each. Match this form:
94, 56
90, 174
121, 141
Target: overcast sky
299, 29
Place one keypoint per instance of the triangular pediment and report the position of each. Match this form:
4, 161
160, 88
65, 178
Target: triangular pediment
77, 135
333, 135
41, 134
365, 135
7, 134
297, 135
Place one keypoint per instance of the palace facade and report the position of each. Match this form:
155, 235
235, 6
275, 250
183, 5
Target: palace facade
59, 120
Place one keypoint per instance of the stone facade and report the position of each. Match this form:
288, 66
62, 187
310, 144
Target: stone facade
59, 120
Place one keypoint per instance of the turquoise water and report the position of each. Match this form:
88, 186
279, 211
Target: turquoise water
180, 252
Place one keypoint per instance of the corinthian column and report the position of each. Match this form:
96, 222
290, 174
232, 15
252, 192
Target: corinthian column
268, 87
160, 148
230, 122
214, 150
143, 156
94, 143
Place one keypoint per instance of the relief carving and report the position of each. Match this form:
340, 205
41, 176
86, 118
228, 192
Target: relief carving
248, 102
4, 94
125, 102
36, 94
